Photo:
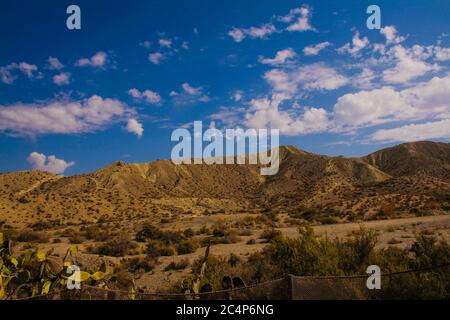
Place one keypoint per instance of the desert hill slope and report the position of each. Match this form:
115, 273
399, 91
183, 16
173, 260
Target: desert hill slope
424, 157
407, 179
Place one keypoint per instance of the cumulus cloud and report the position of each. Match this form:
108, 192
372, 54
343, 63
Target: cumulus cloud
281, 57
237, 95
364, 79
165, 43
264, 113
315, 76
298, 19
237, 34
414, 132
28, 69
149, 96
156, 57
40, 161
61, 116
189, 95
61, 79
96, 61
391, 34
428, 100
442, 54
135, 127
7, 73
423, 110
260, 32
409, 64
356, 46
191, 90
314, 50
54, 64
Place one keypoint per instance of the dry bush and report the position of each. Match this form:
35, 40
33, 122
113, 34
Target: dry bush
139, 265
187, 246
28, 235
157, 248
180, 265
116, 247
270, 234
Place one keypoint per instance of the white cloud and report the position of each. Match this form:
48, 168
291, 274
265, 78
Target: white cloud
7, 72
315, 76
49, 164
185, 45
61, 116
442, 54
391, 34
314, 50
264, 113
356, 46
165, 43
189, 95
281, 57
27, 69
281, 82
156, 57
409, 64
96, 61
261, 32
150, 96
191, 90
414, 132
298, 19
6, 75
237, 34
364, 79
54, 64
237, 95
428, 100
61, 79
135, 127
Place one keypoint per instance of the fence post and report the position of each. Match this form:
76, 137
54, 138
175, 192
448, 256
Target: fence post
290, 279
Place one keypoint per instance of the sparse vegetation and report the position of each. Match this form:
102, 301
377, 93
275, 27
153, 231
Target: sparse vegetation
180, 265
116, 247
157, 248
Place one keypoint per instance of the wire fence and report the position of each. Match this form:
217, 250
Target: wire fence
289, 287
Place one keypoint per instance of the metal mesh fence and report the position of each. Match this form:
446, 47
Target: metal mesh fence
287, 288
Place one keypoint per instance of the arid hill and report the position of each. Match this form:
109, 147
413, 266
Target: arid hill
424, 157
412, 178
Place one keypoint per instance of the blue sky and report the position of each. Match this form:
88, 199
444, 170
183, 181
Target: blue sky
117, 88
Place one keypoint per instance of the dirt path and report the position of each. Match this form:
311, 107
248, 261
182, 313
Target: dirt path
398, 232
343, 229
34, 186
